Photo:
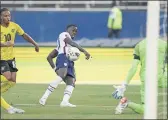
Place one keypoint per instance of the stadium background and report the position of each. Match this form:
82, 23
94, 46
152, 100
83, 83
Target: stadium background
109, 65
112, 58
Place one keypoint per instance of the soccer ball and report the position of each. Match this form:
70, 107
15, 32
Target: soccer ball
72, 53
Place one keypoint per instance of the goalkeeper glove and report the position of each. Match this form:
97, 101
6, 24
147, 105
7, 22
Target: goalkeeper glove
119, 92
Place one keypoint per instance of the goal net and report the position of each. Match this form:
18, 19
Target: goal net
155, 97
162, 99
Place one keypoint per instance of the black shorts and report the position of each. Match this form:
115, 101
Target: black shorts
8, 65
114, 33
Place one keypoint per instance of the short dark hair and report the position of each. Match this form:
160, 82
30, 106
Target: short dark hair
71, 25
4, 9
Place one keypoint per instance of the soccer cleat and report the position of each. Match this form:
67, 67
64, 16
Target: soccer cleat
121, 106
13, 110
66, 104
42, 101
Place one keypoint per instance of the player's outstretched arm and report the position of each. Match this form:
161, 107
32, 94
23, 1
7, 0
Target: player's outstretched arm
131, 71
29, 39
50, 57
7, 44
119, 92
72, 43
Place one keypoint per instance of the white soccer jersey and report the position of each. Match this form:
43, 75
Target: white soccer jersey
61, 45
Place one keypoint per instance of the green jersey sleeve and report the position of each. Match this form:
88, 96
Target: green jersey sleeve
136, 50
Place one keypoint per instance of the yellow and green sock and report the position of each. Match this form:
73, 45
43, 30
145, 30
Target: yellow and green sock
4, 104
5, 84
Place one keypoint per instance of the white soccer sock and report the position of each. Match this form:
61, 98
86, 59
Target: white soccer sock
67, 93
52, 87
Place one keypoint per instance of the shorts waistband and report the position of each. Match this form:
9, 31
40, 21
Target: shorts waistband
7, 60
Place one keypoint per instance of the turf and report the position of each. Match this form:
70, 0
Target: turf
93, 102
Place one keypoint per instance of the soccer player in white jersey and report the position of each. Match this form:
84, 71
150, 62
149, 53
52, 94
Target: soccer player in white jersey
64, 68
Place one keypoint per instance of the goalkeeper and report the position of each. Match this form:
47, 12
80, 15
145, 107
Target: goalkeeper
140, 57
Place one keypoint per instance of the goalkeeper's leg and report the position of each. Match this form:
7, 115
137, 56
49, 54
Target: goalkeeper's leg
138, 108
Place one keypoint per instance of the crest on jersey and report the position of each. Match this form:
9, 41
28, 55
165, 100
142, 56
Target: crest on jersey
13, 30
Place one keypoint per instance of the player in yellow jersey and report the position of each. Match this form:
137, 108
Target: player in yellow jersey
7, 62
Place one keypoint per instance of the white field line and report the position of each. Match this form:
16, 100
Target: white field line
59, 105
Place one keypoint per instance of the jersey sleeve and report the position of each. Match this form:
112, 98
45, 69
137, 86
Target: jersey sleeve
64, 35
19, 31
136, 50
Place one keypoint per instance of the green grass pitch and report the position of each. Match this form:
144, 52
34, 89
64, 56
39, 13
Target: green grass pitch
93, 102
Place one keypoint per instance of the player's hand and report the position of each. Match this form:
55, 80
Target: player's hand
119, 92
37, 48
9, 44
87, 55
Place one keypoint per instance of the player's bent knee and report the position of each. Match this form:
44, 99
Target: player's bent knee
13, 80
7, 75
71, 82
9, 78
